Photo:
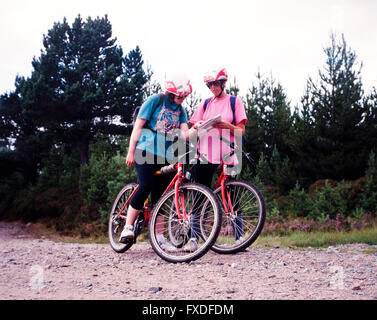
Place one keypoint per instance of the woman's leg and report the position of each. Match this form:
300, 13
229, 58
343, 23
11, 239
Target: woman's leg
203, 173
145, 174
160, 183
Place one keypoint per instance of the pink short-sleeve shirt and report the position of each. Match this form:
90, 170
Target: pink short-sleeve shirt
210, 144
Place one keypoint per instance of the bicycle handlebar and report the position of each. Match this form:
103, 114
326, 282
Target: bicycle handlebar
167, 169
171, 167
235, 147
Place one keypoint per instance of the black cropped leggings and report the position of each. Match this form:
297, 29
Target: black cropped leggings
204, 173
149, 184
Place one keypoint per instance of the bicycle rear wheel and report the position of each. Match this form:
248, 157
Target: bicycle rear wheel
240, 231
116, 223
170, 235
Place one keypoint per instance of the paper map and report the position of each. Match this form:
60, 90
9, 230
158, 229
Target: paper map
208, 124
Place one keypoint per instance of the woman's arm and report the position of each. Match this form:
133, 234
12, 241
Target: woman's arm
187, 133
135, 136
238, 130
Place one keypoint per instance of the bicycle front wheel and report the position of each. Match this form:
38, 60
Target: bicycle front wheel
116, 221
240, 230
176, 239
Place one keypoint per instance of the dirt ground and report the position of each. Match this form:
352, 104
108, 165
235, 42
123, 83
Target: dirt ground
35, 267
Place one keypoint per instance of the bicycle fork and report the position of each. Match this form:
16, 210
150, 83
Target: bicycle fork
234, 217
179, 196
225, 194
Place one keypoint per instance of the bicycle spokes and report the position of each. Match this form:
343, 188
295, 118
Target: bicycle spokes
118, 217
243, 216
187, 233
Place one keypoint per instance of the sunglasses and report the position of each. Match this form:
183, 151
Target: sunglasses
216, 83
180, 98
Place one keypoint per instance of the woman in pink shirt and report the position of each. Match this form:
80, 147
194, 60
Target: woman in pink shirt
213, 151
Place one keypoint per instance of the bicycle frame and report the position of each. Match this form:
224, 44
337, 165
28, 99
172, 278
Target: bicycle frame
176, 182
224, 177
225, 194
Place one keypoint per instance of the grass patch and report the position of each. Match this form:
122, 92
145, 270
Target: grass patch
320, 239
296, 238
47, 230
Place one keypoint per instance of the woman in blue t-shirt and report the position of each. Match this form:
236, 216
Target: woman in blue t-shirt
149, 144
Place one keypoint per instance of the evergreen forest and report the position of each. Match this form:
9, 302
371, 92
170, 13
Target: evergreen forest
64, 134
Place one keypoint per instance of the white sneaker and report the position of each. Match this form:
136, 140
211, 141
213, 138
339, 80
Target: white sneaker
127, 233
240, 240
165, 244
191, 245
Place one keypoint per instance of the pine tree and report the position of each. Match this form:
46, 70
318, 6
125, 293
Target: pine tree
81, 86
270, 116
264, 172
371, 170
257, 106
279, 120
234, 88
369, 126
136, 79
191, 103
269, 126
337, 110
151, 86
303, 142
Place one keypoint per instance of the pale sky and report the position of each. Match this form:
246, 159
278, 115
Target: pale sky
282, 38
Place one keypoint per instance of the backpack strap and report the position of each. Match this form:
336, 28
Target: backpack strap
232, 105
206, 104
137, 109
161, 99
161, 96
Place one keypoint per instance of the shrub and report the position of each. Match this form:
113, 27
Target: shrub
102, 180
327, 201
299, 203
368, 197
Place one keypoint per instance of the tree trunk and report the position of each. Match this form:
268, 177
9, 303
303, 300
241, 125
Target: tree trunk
84, 150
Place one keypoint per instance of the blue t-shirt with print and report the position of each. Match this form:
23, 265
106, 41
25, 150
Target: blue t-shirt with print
160, 120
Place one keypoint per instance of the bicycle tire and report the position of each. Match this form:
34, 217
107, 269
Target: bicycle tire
199, 202
116, 224
250, 208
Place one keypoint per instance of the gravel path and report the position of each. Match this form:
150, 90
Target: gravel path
33, 268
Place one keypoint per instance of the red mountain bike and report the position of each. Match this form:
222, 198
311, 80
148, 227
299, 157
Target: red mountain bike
242, 205
186, 212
